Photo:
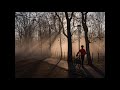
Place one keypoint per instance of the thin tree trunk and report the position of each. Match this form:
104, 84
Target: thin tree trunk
84, 16
60, 45
50, 40
88, 49
40, 42
40, 38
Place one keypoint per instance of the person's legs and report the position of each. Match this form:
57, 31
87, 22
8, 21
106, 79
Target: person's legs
82, 57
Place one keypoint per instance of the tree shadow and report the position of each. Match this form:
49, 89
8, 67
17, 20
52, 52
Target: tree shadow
98, 70
83, 73
40, 69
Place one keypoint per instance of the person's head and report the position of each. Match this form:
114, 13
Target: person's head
82, 46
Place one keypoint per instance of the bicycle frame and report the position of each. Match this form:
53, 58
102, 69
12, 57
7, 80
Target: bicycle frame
77, 63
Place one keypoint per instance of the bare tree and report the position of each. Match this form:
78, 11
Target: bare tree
68, 35
96, 24
84, 18
61, 26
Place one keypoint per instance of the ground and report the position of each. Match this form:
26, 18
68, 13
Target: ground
47, 68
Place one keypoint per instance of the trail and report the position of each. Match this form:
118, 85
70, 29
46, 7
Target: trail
44, 69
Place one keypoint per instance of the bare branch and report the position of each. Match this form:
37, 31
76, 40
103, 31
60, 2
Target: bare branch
18, 15
58, 16
73, 32
66, 15
64, 32
82, 17
85, 16
61, 24
71, 16
86, 12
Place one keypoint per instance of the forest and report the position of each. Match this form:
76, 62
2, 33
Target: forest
52, 39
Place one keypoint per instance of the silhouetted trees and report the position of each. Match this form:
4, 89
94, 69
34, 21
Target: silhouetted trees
25, 27
84, 18
50, 25
68, 35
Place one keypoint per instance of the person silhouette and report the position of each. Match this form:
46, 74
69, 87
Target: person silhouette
83, 52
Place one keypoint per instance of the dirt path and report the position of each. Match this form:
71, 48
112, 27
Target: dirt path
46, 68
38, 69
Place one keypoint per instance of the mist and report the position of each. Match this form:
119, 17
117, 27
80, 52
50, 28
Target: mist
35, 51
42, 40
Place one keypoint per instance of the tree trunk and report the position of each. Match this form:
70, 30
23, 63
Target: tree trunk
60, 40
70, 63
88, 49
78, 40
69, 59
84, 16
60, 46
40, 40
50, 40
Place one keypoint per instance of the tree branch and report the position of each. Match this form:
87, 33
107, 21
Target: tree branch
18, 15
61, 24
71, 16
58, 16
82, 17
72, 33
85, 16
64, 32
86, 12
66, 15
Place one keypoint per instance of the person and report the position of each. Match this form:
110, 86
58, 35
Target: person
83, 52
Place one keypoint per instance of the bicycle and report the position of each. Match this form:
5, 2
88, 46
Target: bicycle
77, 63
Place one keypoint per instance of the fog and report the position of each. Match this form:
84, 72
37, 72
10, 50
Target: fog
36, 21
95, 47
35, 50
